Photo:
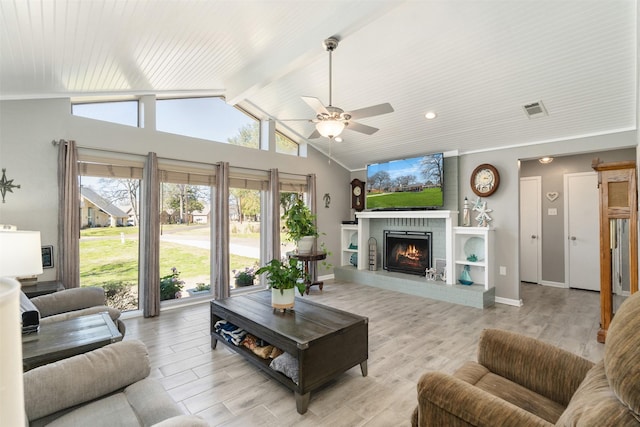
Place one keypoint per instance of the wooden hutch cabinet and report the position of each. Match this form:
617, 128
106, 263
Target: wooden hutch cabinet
617, 184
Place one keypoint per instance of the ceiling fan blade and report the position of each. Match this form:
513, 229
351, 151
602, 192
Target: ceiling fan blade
314, 135
315, 104
374, 110
359, 127
295, 120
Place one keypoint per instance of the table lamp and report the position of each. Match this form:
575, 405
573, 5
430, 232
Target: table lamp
20, 255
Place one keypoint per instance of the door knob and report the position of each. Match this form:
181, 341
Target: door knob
572, 238
533, 236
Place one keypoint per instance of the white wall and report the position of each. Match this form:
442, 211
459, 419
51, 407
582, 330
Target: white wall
28, 127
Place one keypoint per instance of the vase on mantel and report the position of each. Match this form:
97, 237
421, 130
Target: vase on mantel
465, 277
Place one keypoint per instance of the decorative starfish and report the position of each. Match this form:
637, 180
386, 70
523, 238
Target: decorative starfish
6, 185
483, 217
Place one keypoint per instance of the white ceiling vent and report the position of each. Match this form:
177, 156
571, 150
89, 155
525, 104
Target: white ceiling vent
535, 109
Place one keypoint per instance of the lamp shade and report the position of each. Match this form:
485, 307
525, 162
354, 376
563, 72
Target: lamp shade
11, 385
330, 128
20, 253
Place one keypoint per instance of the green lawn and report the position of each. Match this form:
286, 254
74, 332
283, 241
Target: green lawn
103, 260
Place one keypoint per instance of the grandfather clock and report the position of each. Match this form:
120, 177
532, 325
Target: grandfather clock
617, 185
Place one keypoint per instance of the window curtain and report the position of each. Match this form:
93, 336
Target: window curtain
273, 215
221, 232
68, 271
311, 202
149, 250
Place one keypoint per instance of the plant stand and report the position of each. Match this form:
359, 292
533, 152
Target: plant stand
307, 259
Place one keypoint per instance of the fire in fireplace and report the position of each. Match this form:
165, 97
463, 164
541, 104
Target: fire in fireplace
407, 251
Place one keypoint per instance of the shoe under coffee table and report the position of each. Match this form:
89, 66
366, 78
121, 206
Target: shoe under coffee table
325, 341
59, 340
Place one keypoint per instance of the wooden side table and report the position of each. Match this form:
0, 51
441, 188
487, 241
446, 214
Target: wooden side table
307, 259
59, 340
42, 288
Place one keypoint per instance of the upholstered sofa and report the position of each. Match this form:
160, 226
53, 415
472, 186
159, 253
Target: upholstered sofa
521, 381
104, 387
70, 303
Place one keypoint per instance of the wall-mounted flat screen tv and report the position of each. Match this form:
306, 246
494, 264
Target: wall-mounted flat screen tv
413, 183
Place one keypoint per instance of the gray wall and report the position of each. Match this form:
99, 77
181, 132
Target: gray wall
28, 127
552, 176
505, 201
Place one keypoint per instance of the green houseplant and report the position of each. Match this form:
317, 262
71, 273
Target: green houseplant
300, 223
285, 274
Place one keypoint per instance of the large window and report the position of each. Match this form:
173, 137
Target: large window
286, 145
109, 212
121, 112
244, 235
185, 234
207, 118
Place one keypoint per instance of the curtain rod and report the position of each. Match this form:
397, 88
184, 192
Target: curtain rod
63, 141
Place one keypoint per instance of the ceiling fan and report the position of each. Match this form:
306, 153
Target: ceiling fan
331, 121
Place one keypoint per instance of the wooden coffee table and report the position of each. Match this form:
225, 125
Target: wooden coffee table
59, 340
325, 341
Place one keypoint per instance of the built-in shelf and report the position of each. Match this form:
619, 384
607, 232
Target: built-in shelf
348, 238
478, 242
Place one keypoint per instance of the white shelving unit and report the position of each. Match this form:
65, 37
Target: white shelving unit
476, 241
348, 239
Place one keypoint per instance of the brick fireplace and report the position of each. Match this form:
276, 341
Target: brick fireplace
371, 224
439, 223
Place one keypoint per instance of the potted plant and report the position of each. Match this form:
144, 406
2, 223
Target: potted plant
283, 277
200, 289
245, 277
300, 226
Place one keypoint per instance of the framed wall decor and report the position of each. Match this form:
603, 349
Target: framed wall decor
47, 257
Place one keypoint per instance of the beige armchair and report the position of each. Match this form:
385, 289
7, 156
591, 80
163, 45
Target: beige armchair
105, 387
521, 381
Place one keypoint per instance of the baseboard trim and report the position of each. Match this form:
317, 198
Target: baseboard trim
554, 284
509, 301
326, 277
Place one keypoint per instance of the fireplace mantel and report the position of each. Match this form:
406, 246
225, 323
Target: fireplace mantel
365, 218
450, 215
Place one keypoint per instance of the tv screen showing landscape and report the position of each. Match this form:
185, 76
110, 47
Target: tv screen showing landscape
414, 183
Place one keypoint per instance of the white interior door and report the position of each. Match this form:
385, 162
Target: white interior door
530, 229
582, 228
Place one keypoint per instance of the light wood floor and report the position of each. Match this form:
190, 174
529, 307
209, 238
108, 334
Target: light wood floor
407, 336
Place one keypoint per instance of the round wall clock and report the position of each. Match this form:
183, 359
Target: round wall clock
357, 195
485, 180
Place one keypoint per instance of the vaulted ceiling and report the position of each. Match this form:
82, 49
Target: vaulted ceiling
474, 63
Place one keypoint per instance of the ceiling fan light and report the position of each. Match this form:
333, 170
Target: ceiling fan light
330, 128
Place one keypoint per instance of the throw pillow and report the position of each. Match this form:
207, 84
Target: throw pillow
286, 364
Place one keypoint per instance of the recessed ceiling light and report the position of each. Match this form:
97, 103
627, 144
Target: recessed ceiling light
430, 115
545, 160
338, 139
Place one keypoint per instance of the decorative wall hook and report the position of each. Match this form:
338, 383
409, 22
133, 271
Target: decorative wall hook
6, 185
